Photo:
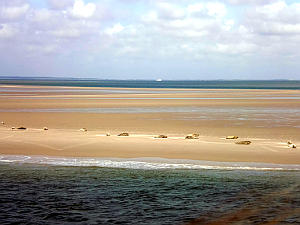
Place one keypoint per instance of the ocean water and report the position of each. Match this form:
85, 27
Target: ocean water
186, 84
68, 191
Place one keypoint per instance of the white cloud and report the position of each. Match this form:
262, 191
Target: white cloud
229, 23
46, 49
127, 50
248, 2
202, 22
117, 28
82, 10
79, 29
271, 10
276, 18
195, 8
41, 15
236, 49
60, 4
150, 17
13, 12
66, 33
170, 11
274, 28
216, 9
7, 31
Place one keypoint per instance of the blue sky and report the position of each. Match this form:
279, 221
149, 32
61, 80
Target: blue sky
145, 39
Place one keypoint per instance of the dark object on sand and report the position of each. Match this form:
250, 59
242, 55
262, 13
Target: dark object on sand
232, 137
83, 129
21, 128
162, 136
123, 134
45, 128
291, 145
192, 136
243, 142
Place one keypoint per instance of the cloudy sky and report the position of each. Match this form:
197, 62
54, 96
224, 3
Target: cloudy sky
145, 39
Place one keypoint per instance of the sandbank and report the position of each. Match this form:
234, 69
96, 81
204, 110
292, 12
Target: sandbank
64, 138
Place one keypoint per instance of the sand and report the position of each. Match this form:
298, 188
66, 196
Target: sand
268, 141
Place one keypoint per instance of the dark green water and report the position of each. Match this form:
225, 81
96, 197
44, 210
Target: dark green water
197, 84
40, 194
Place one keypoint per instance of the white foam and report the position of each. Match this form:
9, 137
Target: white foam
145, 163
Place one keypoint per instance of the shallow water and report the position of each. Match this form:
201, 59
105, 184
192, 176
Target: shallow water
46, 194
270, 116
156, 98
166, 109
146, 163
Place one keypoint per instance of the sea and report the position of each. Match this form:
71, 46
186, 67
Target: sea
184, 84
57, 190
76, 191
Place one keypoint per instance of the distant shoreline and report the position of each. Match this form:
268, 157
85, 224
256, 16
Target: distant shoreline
164, 84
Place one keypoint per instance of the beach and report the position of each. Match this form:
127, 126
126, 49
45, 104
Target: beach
267, 118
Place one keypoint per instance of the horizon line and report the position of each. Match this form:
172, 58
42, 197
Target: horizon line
132, 79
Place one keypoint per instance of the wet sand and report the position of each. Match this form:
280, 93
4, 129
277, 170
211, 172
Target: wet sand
268, 135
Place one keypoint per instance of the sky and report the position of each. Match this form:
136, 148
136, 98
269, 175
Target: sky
151, 39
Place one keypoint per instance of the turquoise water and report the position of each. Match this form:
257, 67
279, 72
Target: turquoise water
47, 194
195, 84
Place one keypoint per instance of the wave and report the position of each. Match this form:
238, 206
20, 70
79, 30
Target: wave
144, 163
